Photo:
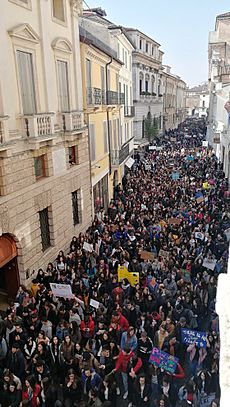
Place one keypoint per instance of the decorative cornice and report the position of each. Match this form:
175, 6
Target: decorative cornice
25, 32
62, 44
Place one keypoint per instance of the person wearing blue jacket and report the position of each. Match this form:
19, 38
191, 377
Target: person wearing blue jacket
129, 339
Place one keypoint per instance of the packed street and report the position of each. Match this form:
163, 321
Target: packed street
140, 328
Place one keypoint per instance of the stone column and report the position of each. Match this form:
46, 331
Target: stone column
223, 310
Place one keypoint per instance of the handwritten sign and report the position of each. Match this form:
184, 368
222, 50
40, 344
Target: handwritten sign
147, 255
61, 290
209, 264
200, 199
199, 235
205, 143
87, 247
190, 336
163, 360
174, 221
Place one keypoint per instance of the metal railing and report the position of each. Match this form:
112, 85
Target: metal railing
129, 111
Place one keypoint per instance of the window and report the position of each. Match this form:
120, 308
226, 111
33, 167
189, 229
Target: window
105, 129
73, 155
146, 47
140, 86
89, 82
63, 85
92, 141
146, 86
39, 167
140, 44
118, 50
76, 198
100, 194
45, 229
126, 59
26, 78
58, 9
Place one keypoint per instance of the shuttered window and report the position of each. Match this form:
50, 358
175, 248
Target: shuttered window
58, 10
76, 205
63, 85
92, 141
26, 78
45, 229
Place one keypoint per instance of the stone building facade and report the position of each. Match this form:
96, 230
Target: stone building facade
197, 101
147, 80
218, 131
44, 159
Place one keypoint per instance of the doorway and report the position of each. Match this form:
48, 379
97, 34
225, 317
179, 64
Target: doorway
9, 276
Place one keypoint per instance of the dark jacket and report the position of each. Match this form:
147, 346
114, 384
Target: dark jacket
16, 363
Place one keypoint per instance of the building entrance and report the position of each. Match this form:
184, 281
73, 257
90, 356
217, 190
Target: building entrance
9, 276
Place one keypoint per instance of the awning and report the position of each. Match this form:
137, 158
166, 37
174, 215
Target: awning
129, 163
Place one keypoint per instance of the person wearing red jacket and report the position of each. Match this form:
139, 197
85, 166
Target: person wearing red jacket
120, 320
87, 328
123, 364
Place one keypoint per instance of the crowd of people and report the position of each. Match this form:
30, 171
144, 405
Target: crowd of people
70, 352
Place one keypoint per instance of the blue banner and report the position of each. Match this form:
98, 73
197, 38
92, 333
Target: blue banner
190, 336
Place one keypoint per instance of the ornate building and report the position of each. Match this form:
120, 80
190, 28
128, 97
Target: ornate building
147, 80
44, 160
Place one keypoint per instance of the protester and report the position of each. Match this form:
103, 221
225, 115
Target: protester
145, 279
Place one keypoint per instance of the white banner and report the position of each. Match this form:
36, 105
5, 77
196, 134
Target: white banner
61, 290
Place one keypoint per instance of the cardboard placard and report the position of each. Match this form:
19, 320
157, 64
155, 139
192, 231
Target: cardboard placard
205, 143
61, 290
147, 255
199, 235
200, 199
190, 336
174, 221
163, 360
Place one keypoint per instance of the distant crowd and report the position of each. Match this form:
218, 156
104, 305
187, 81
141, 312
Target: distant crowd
166, 227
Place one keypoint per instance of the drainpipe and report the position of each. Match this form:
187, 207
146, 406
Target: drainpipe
107, 112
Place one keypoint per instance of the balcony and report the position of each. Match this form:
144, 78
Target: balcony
151, 97
94, 96
129, 111
4, 131
119, 156
72, 121
38, 125
115, 98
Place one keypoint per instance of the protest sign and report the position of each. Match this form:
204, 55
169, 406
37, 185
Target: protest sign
174, 221
209, 264
163, 360
190, 336
123, 272
147, 255
152, 148
205, 143
158, 148
87, 247
200, 199
61, 290
173, 138
190, 158
199, 235
175, 176
227, 234
152, 284
206, 185
186, 276
148, 167
94, 303
164, 254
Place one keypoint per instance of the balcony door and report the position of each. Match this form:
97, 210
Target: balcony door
26, 79
63, 85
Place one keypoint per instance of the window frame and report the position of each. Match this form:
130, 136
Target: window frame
76, 210
44, 173
22, 3
66, 62
74, 151
45, 239
56, 19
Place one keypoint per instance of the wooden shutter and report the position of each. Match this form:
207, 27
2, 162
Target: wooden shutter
92, 141
63, 85
105, 129
26, 76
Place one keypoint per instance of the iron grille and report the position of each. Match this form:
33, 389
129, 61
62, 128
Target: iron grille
45, 229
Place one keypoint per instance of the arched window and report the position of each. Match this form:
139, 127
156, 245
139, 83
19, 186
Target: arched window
153, 85
141, 77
